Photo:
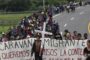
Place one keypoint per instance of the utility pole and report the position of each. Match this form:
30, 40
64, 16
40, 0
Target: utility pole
43, 4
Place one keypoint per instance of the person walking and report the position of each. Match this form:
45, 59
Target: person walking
37, 48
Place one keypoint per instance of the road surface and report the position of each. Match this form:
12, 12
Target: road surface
77, 21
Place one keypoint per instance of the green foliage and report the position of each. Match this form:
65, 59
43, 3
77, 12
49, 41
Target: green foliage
23, 5
72, 0
55, 2
14, 5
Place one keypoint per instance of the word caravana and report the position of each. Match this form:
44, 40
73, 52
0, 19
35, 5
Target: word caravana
17, 44
47, 42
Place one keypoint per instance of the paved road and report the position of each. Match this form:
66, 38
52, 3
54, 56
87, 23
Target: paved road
78, 20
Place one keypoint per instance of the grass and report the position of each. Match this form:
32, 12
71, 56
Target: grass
13, 16
4, 29
7, 20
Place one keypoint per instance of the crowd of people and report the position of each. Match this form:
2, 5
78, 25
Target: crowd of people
27, 26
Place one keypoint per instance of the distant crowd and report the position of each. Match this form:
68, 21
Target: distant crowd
27, 26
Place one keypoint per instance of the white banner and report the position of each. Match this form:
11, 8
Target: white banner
54, 49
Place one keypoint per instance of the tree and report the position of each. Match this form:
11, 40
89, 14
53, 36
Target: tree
24, 5
18, 5
74, 0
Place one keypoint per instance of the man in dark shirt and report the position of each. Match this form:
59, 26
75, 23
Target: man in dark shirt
86, 51
37, 48
85, 36
58, 36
